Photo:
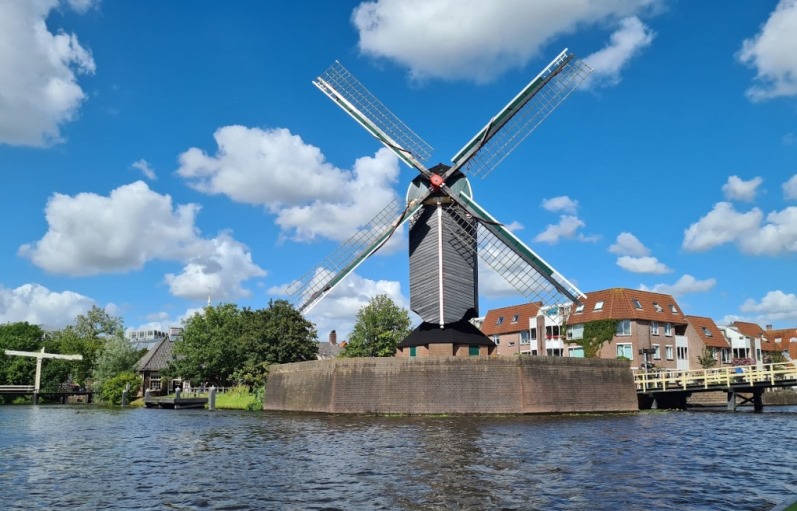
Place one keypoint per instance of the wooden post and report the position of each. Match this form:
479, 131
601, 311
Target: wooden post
212, 398
758, 403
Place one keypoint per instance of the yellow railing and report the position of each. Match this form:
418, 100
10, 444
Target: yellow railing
717, 377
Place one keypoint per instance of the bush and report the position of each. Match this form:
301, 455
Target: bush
111, 393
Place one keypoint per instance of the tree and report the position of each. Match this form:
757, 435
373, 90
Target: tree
380, 326
21, 336
117, 357
596, 334
706, 358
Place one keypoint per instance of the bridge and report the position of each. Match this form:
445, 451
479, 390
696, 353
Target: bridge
35, 389
60, 395
743, 384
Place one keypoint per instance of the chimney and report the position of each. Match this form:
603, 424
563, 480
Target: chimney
769, 327
333, 337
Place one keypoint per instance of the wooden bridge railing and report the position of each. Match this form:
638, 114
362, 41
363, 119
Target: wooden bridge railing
17, 389
715, 377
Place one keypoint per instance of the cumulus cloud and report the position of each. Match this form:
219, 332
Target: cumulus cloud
628, 245
771, 53
686, 284
291, 179
774, 306
40, 306
90, 234
39, 89
477, 40
642, 264
338, 310
562, 203
750, 231
738, 189
82, 6
143, 166
627, 42
790, 188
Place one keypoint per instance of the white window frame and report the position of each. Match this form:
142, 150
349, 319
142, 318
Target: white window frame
682, 353
598, 305
621, 325
656, 352
525, 340
575, 331
654, 328
668, 329
622, 347
668, 352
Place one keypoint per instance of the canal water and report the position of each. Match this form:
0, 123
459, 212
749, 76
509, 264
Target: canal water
84, 457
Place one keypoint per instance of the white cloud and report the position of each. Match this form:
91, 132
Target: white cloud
642, 265
514, 226
721, 225
217, 274
738, 189
39, 89
91, 234
790, 188
163, 320
567, 228
143, 166
293, 180
628, 245
82, 6
686, 284
493, 285
771, 53
562, 203
775, 306
478, 40
627, 42
39, 306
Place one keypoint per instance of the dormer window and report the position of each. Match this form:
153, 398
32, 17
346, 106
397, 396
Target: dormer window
707, 332
598, 305
500, 320
515, 318
673, 309
657, 307
580, 308
636, 303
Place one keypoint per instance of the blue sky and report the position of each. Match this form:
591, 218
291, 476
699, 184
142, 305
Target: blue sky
154, 153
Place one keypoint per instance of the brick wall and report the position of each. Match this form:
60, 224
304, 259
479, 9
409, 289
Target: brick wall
452, 385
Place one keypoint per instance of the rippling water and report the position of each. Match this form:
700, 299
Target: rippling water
83, 457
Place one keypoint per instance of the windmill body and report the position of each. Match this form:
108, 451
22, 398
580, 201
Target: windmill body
449, 231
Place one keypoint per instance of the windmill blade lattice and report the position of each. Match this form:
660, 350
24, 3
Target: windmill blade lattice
521, 116
343, 88
305, 292
530, 275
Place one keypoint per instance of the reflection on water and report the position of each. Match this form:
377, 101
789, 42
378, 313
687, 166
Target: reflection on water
79, 457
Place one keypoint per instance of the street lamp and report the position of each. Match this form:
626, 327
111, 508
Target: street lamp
645, 352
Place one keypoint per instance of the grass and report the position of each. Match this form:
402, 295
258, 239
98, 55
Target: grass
238, 398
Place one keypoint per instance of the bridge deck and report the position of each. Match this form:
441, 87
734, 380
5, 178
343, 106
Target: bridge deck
723, 378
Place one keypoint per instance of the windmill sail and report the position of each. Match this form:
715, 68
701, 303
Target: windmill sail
345, 90
308, 290
505, 253
521, 116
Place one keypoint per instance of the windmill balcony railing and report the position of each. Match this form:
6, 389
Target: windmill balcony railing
715, 377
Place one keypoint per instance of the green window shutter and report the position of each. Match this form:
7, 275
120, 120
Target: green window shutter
412, 351
473, 351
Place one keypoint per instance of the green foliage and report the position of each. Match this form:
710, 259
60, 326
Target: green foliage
774, 357
706, 358
380, 326
596, 334
226, 345
111, 393
20, 336
117, 357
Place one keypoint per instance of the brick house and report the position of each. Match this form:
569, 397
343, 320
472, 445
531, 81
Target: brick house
785, 339
703, 333
749, 340
152, 365
645, 320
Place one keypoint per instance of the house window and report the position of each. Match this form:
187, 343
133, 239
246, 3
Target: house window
413, 351
533, 334
154, 382
668, 352
515, 318
707, 332
681, 352
656, 352
654, 328
624, 327
524, 337
580, 308
726, 356
657, 307
673, 309
598, 305
668, 329
552, 332
636, 303
500, 320
473, 351
575, 331
624, 350
511, 343
576, 352
555, 352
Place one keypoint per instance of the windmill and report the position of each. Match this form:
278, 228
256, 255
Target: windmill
448, 229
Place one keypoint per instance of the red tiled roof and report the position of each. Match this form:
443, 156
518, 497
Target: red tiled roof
621, 303
716, 339
525, 312
785, 335
749, 329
